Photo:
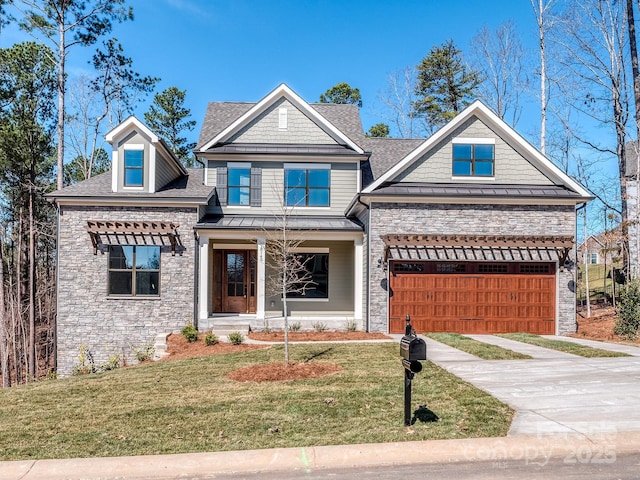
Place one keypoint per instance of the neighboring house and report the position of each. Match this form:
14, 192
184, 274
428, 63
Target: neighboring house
601, 249
471, 230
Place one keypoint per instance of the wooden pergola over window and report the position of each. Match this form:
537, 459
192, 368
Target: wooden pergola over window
477, 247
114, 232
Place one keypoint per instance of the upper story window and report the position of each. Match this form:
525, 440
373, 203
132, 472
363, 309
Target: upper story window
238, 184
473, 158
593, 258
307, 185
133, 165
134, 270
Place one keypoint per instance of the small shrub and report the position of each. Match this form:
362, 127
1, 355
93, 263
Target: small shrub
351, 326
628, 322
190, 333
210, 339
144, 353
236, 338
86, 364
113, 362
320, 327
295, 327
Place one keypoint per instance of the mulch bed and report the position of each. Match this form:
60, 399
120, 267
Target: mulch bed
178, 347
270, 372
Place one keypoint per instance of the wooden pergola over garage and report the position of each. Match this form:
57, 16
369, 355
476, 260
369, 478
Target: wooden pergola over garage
474, 283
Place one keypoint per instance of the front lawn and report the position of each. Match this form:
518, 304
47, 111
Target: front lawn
482, 350
561, 345
190, 406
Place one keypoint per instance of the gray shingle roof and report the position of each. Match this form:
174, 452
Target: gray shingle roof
386, 152
283, 149
220, 115
475, 190
184, 188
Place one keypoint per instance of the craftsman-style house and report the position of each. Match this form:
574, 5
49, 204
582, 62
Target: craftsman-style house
470, 230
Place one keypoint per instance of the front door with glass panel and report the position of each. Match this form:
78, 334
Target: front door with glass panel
238, 281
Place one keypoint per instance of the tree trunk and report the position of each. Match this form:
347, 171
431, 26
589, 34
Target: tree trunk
61, 94
633, 49
32, 289
4, 344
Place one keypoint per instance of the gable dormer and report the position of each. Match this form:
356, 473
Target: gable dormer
141, 162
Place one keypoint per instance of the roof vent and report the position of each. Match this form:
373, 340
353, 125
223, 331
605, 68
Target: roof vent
282, 118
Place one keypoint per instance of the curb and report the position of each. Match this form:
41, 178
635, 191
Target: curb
530, 450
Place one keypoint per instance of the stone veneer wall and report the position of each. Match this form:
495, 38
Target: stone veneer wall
471, 220
86, 315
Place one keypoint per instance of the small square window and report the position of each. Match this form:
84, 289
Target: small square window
473, 160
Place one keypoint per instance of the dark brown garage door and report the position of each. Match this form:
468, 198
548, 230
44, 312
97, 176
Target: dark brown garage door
468, 297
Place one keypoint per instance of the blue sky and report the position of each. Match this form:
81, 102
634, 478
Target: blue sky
239, 50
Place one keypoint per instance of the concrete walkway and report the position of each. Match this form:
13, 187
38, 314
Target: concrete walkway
555, 392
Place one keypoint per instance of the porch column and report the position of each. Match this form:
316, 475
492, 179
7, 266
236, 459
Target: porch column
358, 260
203, 272
261, 278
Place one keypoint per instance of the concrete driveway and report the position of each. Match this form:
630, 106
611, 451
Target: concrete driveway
555, 392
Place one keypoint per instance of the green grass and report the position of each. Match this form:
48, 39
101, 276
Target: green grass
562, 346
189, 406
479, 349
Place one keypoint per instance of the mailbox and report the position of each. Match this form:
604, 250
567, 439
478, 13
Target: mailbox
413, 348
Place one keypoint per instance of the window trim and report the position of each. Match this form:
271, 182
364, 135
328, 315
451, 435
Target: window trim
137, 147
133, 270
307, 167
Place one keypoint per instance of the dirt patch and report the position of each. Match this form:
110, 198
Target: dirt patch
329, 336
600, 325
270, 372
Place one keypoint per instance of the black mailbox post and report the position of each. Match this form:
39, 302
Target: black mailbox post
412, 351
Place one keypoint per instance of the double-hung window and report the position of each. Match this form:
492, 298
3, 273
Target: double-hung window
238, 183
134, 270
307, 185
473, 158
133, 165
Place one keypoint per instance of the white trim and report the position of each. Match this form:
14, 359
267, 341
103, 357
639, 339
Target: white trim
261, 278
358, 280
234, 246
474, 141
307, 166
133, 146
153, 154
130, 123
279, 92
477, 108
472, 178
305, 299
310, 250
114, 170
203, 283
238, 165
